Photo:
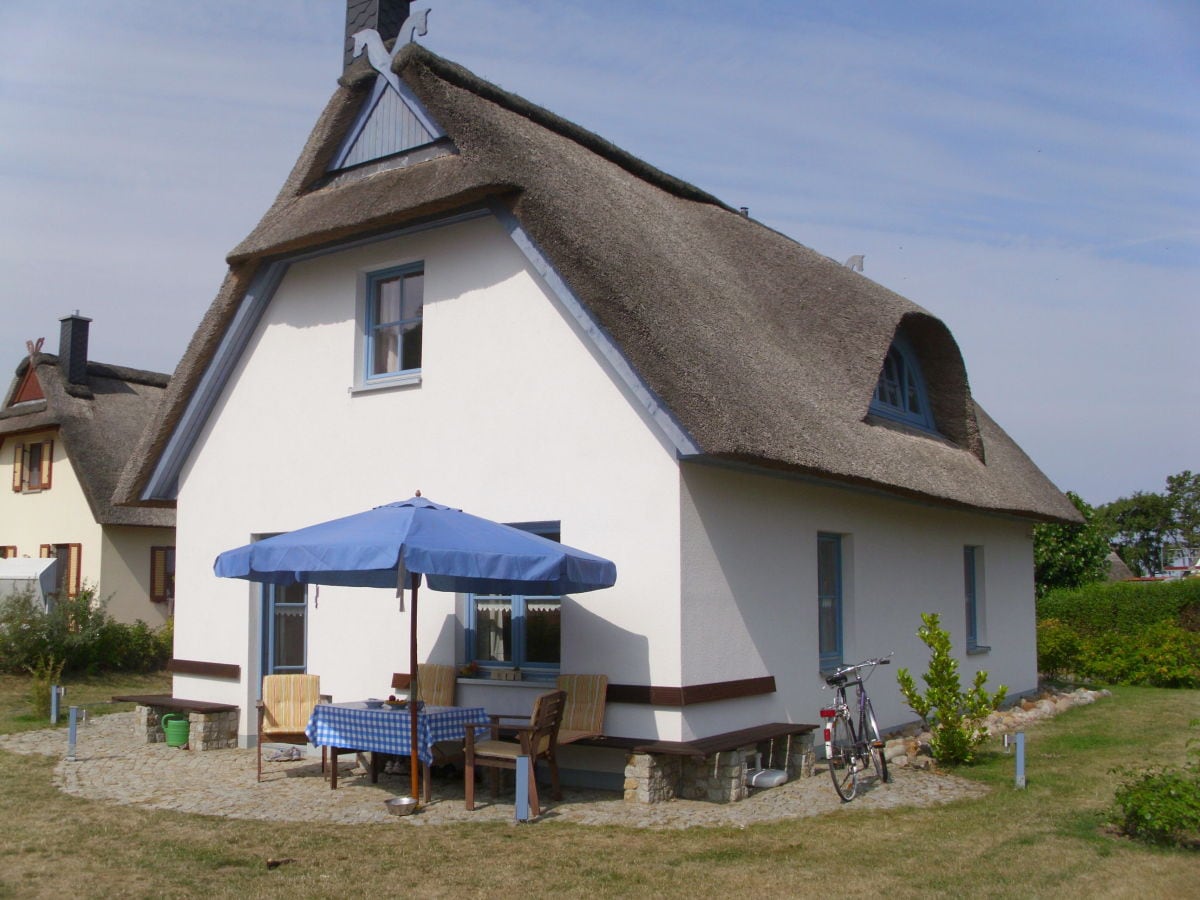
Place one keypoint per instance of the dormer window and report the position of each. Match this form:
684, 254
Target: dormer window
900, 394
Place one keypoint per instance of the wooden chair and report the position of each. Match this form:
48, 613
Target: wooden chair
537, 740
435, 683
284, 710
584, 713
436, 686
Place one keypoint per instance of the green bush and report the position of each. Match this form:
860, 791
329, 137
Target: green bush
45, 674
1123, 633
1126, 607
1162, 805
955, 719
80, 634
1058, 648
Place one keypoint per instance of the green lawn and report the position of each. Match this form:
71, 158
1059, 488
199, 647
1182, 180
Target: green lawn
1045, 841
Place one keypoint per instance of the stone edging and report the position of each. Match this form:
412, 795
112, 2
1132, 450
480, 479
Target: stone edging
910, 746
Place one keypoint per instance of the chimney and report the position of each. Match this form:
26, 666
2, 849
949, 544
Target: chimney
385, 16
73, 348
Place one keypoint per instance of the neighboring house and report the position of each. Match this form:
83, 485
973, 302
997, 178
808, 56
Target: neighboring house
67, 427
1117, 569
458, 291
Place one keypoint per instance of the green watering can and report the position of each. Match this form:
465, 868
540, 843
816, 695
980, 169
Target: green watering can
176, 727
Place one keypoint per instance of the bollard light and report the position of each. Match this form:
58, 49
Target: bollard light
522, 810
71, 729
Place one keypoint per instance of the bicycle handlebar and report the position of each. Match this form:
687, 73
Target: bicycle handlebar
845, 670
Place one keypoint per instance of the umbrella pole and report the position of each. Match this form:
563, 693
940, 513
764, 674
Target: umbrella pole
414, 762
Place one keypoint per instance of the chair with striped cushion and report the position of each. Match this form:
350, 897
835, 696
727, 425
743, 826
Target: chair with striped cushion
285, 708
435, 684
584, 713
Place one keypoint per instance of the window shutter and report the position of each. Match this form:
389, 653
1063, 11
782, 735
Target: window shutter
47, 463
46, 551
8, 552
74, 554
18, 466
161, 571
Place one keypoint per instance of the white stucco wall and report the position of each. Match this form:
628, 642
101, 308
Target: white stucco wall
750, 586
515, 419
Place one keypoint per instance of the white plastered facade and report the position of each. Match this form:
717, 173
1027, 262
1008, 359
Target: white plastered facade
518, 418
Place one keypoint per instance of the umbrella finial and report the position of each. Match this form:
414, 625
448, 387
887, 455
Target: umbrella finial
418, 492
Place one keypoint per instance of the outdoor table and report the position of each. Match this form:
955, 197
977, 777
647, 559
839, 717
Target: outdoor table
385, 730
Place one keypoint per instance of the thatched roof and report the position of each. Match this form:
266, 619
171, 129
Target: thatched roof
765, 352
99, 423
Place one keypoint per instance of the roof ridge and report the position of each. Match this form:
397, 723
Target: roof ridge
462, 77
104, 370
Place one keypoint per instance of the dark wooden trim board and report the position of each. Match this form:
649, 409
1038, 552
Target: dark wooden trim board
656, 695
211, 669
701, 747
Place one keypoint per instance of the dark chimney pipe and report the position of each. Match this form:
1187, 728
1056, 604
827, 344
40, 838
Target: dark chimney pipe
73, 348
385, 16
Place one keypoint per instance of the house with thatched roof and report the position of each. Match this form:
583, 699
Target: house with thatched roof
458, 291
67, 428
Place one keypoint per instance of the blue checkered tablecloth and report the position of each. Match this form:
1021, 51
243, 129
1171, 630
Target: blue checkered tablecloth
355, 727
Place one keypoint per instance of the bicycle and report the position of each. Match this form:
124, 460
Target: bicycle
847, 748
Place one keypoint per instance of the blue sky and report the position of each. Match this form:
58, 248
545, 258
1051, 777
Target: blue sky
1029, 172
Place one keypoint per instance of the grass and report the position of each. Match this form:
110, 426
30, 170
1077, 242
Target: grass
1048, 840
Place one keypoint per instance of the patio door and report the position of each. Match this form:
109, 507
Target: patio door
284, 629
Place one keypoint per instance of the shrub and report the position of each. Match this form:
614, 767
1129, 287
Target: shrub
79, 633
1162, 805
46, 673
1123, 633
1058, 648
1124, 606
955, 719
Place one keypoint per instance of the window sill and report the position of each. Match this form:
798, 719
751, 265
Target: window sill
978, 650
539, 683
402, 379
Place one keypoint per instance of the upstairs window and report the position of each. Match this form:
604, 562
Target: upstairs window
394, 310
32, 466
900, 394
8, 552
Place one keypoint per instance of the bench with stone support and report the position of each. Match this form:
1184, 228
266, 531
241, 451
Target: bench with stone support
211, 726
711, 768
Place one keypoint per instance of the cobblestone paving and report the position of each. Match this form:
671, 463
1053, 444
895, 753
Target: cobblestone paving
111, 765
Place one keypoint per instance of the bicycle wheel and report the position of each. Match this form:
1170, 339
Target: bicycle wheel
843, 763
875, 742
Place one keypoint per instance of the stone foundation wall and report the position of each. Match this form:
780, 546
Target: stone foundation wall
206, 731
720, 778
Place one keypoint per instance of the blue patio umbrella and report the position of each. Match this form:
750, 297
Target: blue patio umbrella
395, 544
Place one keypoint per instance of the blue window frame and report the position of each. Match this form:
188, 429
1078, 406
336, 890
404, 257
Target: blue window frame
285, 629
506, 631
971, 594
394, 313
829, 600
900, 393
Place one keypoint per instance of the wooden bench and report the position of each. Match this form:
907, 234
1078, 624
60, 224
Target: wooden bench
709, 768
211, 726
701, 747
166, 701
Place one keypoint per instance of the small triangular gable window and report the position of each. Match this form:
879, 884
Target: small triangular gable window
900, 394
29, 389
389, 123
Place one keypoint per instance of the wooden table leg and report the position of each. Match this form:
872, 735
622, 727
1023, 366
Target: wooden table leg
333, 753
